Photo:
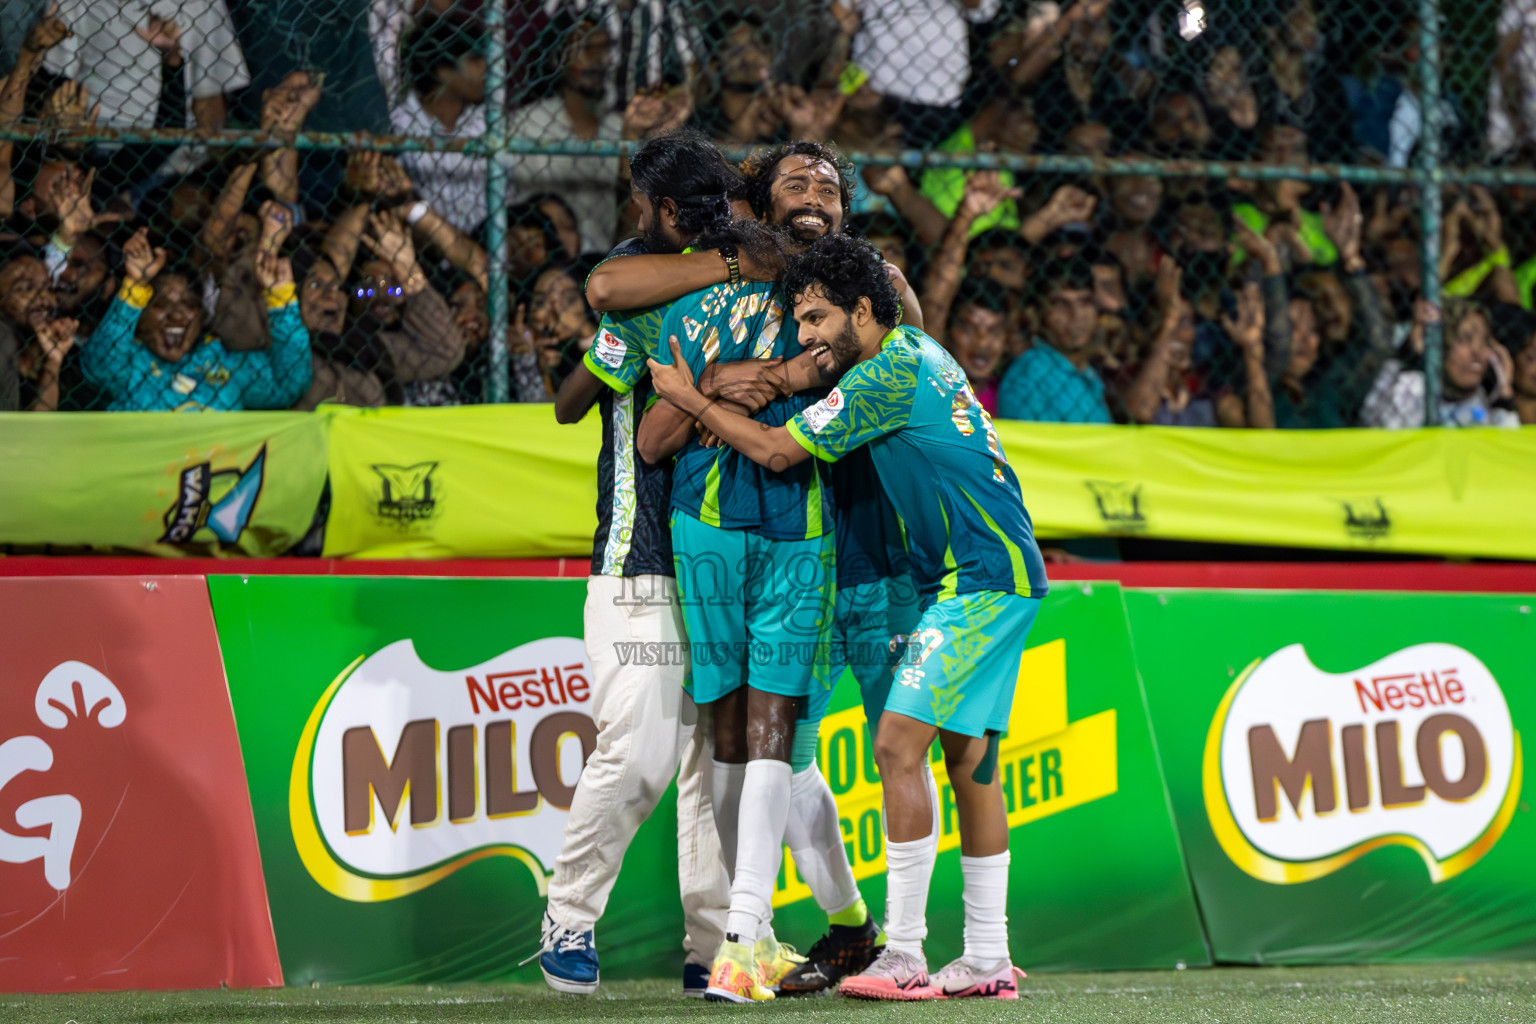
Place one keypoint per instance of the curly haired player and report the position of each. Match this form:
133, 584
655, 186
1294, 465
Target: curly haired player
977, 569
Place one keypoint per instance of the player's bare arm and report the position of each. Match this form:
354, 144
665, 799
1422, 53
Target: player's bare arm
773, 447
636, 282
578, 393
911, 309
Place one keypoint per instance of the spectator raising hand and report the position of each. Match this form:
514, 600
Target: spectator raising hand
67, 109
150, 351
273, 272
141, 262
388, 239
276, 224
1255, 408
164, 35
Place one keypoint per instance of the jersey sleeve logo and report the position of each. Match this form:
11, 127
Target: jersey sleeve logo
610, 349
824, 412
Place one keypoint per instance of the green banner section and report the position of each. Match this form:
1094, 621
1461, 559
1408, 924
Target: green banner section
1347, 770
1097, 879
163, 483
405, 746
470, 482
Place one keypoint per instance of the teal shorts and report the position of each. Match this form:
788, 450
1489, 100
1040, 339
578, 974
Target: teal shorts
870, 624
758, 611
865, 621
962, 662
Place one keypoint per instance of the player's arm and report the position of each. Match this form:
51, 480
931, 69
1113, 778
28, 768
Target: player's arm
664, 429
578, 393
641, 281
911, 309
773, 447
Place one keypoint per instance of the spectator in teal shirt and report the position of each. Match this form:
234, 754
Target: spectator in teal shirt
1053, 382
150, 352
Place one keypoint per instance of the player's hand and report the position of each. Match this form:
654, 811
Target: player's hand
675, 379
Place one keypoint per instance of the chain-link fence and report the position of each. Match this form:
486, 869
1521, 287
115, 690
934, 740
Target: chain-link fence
1290, 213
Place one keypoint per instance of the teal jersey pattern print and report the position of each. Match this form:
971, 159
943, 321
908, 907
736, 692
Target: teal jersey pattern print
719, 486
941, 464
624, 341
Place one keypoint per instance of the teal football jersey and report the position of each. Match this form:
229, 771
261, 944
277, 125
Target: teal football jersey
940, 463
720, 486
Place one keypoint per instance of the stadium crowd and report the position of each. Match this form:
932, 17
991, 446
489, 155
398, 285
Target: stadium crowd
137, 275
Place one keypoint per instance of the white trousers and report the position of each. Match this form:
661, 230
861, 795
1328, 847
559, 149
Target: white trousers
648, 730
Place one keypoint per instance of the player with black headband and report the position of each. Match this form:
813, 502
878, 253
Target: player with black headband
647, 725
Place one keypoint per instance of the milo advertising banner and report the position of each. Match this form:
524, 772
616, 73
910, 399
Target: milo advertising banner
1079, 774
412, 745
411, 748
1347, 770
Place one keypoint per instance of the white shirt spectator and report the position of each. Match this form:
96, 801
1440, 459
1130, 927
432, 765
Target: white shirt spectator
1517, 18
654, 27
388, 20
589, 184
452, 183
122, 71
1396, 402
917, 50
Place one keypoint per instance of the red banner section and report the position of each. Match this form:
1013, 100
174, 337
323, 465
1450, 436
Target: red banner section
1441, 577
128, 854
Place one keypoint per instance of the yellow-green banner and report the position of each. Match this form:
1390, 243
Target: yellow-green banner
162, 483
1444, 492
468, 482
508, 482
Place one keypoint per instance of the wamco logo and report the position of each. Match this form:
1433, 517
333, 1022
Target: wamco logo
404, 773
1306, 771
405, 492
1118, 504
1366, 518
219, 501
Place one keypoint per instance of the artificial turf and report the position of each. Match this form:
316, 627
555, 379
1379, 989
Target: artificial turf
1301, 995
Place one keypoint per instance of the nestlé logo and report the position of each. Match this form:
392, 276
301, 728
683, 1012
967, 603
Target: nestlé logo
1306, 771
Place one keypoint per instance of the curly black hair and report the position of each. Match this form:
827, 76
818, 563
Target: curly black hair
757, 172
846, 269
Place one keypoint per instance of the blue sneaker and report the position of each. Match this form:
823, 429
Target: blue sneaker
568, 959
695, 980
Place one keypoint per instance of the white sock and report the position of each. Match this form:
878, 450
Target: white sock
986, 908
760, 846
725, 796
815, 838
908, 870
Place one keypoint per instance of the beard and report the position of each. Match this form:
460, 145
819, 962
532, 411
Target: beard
841, 354
804, 236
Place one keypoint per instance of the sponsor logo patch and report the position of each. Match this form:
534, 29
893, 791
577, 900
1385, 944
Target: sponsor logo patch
825, 411
609, 349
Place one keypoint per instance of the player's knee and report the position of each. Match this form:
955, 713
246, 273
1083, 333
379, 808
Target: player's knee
771, 737
896, 758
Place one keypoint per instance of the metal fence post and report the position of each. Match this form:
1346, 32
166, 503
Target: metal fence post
1429, 197
500, 389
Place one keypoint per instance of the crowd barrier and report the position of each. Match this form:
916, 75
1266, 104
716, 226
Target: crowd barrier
508, 482
259, 778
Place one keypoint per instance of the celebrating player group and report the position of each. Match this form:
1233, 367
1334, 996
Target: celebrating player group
794, 480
